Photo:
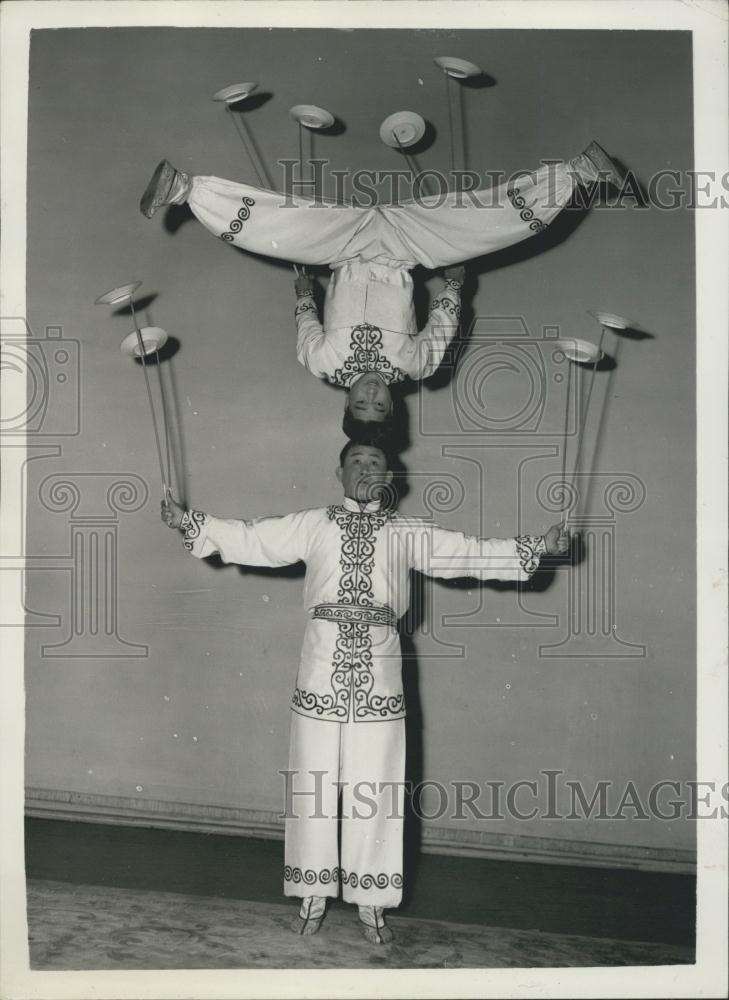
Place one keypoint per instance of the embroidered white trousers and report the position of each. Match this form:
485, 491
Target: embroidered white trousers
367, 761
434, 231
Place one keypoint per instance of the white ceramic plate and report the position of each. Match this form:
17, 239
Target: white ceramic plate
403, 128
612, 321
458, 68
153, 337
581, 351
235, 92
117, 295
311, 116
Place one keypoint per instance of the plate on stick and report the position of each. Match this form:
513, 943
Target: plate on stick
460, 69
612, 320
582, 352
153, 337
235, 92
311, 116
403, 128
117, 295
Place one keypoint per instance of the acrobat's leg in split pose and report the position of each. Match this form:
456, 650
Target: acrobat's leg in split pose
434, 231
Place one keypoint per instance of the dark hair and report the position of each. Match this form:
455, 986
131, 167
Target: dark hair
376, 433
353, 444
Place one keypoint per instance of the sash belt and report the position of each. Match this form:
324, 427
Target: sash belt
355, 613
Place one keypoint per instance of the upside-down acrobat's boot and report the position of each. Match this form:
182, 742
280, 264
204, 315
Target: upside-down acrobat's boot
167, 186
594, 164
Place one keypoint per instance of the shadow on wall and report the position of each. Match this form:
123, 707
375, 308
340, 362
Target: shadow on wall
557, 232
415, 722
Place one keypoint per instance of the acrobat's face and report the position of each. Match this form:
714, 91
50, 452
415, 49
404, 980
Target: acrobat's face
363, 473
369, 398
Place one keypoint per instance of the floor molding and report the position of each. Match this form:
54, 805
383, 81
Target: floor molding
117, 810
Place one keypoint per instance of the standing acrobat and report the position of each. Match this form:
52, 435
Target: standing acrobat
347, 722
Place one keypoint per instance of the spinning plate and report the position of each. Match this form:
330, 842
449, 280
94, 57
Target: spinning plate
153, 337
117, 295
235, 92
403, 128
581, 351
311, 116
612, 321
460, 69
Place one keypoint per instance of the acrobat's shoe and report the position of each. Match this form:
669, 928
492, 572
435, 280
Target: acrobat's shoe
310, 916
167, 186
373, 926
607, 169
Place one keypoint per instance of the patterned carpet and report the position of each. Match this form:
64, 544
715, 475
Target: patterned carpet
78, 927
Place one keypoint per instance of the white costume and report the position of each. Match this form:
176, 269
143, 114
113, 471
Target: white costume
369, 299
343, 353
348, 702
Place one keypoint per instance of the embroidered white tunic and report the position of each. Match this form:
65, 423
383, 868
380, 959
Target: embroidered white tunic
357, 586
369, 325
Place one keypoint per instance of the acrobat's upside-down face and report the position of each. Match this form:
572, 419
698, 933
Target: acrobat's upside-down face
369, 398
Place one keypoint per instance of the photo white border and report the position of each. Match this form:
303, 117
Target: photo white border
707, 20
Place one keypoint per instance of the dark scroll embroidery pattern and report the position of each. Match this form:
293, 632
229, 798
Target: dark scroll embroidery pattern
380, 881
303, 305
236, 224
526, 214
529, 548
192, 523
329, 876
366, 355
352, 679
310, 877
448, 305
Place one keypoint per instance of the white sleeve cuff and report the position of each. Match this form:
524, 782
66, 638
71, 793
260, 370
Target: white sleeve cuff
529, 548
192, 524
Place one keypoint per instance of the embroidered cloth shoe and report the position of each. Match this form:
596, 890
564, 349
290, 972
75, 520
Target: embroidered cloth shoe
594, 164
167, 186
373, 926
310, 915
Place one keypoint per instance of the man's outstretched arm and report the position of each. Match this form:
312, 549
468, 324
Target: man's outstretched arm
266, 541
449, 554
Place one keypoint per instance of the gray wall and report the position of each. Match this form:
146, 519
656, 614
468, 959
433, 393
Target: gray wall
204, 717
